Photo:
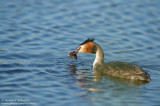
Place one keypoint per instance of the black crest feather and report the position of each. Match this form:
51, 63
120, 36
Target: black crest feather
88, 40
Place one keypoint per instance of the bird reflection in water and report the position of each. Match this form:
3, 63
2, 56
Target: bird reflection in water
83, 81
97, 76
90, 81
72, 68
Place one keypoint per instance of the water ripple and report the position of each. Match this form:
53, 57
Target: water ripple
37, 35
15, 71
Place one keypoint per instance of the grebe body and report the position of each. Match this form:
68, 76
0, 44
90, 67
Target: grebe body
119, 69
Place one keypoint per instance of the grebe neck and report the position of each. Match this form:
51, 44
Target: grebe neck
99, 56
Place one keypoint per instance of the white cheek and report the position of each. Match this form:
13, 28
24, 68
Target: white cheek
81, 50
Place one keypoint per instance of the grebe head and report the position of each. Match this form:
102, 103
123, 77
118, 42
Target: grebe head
88, 46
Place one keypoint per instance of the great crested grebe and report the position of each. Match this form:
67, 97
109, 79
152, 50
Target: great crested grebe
119, 69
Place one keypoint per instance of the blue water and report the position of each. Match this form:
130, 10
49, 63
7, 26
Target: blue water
36, 35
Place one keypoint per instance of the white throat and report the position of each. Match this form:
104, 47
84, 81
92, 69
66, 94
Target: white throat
99, 56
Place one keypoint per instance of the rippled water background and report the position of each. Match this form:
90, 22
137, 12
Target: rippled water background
35, 36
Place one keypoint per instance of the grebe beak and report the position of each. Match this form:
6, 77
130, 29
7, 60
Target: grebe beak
76, 51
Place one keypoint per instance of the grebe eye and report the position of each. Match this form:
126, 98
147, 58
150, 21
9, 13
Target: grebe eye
79, 47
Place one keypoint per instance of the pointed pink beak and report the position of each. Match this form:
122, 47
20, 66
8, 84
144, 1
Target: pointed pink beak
76, 51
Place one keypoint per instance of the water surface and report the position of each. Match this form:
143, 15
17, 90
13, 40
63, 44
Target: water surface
36, 35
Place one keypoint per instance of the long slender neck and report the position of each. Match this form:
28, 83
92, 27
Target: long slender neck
99, 56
